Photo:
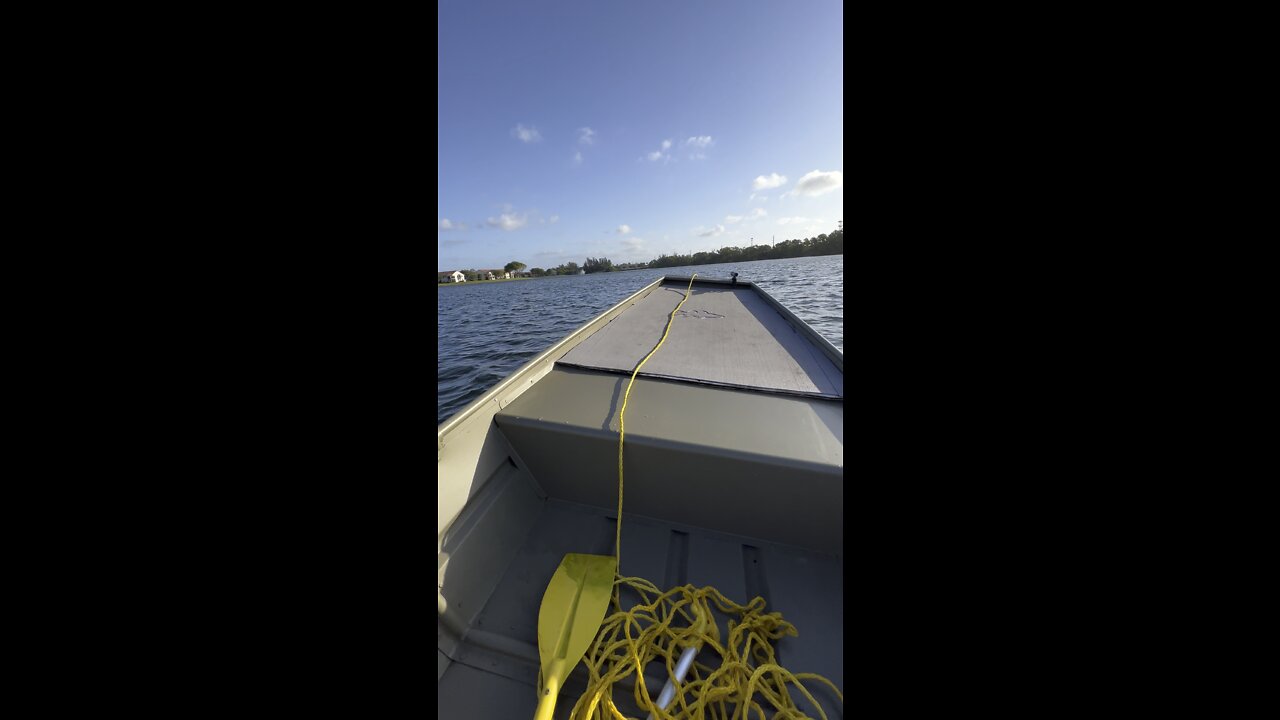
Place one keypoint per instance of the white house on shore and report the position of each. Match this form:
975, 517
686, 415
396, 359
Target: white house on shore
448, 277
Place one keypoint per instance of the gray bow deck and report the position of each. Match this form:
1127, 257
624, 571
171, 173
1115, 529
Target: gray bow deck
723, 335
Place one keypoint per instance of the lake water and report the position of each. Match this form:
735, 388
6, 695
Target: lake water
488, 330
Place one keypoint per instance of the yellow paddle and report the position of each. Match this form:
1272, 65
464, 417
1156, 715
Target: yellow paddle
572, 610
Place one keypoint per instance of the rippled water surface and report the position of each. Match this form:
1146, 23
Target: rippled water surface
486, 331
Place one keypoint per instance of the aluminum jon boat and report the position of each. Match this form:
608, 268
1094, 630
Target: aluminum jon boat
734, 452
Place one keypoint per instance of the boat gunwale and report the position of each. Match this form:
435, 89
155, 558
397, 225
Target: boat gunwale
551, 354
833, 353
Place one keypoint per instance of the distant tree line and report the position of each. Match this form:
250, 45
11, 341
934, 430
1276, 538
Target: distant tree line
570, 268
824, 244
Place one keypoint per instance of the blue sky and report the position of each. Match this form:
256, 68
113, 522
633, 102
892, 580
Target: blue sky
609, 128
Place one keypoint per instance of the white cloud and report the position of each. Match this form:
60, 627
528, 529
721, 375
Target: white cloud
764, 183
755, 214
763, 198
446, 225
555, 219
718, 229
508, 221
699, 143
526, 134
797, 220
577, 157
586, 136
818, 183
662, 154
624, 229
633, 244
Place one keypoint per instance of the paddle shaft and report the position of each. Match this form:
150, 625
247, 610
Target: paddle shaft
550, 689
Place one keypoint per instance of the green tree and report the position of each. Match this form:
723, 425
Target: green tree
595, 265
514, 267
537, 272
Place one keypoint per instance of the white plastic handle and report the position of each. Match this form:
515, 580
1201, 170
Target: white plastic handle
669, 690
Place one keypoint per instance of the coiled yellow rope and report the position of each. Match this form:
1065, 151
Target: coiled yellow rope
629, 639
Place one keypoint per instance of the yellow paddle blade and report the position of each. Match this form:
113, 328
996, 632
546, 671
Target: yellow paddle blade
572, 609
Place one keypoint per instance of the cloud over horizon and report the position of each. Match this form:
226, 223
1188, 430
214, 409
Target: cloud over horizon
508, 221
755, 214
818, 183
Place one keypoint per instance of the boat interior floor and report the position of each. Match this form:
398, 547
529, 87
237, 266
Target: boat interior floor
494, 667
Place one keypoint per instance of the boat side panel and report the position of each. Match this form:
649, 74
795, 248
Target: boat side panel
468, 449
476, 550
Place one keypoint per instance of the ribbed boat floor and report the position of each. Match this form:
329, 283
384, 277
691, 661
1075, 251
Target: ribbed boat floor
496, 670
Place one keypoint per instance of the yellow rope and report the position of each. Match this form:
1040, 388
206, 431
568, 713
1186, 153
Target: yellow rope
629, 639
622, 422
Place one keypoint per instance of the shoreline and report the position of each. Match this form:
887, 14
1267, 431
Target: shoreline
660, 267
482, 282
